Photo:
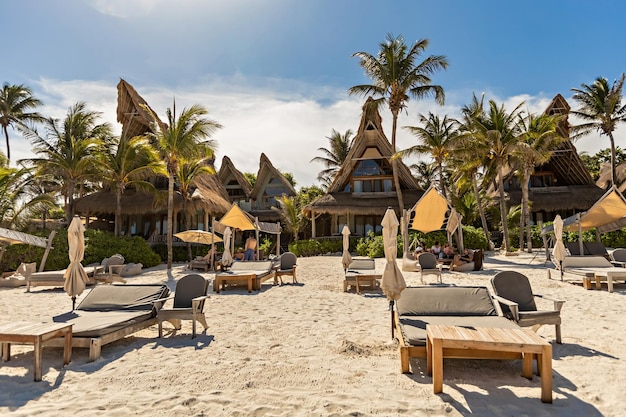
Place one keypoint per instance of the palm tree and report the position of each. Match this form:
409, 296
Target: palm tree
396, 77
498, 131
182, 137
69, 149
601, 110
334, 157
291, 214
538, 140
124, 163
437, 137
16, 103
424, 173
188, 172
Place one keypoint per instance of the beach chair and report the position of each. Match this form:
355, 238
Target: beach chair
515, 295
189, 297
252, 273
427, 264
287, 266
590, 268
618, 257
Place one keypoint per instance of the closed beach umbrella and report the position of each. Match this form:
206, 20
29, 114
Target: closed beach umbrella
75, 276
559, 247
227, 258
392, 281
346, 260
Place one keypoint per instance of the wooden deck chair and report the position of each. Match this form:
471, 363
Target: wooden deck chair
189, 297
287, 267
515, 295
618, 257
427, 264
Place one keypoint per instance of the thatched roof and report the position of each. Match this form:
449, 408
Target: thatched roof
361, 204
228, 171
132, 113
370, 138
209, 196
605, 179
267, 173
550, 199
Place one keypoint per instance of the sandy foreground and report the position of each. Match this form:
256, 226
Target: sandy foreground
312, 350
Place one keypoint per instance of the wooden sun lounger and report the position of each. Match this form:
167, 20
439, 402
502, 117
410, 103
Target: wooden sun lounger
253, 273
56, 278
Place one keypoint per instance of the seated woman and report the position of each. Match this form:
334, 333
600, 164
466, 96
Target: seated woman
436, 249
464, 262
448, 251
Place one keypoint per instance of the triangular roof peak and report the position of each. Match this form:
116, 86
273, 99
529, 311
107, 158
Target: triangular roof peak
227, 169
266, 171
133, 112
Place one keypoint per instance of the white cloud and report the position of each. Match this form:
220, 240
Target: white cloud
284, 120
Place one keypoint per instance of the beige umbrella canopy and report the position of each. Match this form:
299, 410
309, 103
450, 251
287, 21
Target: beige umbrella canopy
198, 236
559, 247
430, 211
75, 276
236, 218
392, 281
346, 259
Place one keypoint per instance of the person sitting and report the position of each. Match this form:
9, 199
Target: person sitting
448, 251
210, 254
436, 249
239, 255
464, 262
418, 249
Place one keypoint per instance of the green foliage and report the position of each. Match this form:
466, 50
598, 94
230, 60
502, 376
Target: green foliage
331, 245
535, 236
308, 247
98, 245
616, 239
474, 238
372, 246
266, 245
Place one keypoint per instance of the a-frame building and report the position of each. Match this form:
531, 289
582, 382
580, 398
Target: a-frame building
363, 188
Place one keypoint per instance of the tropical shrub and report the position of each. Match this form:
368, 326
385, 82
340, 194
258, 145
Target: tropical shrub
308, 247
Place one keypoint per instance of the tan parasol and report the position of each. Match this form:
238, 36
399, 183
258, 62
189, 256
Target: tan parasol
227, 258
198, 236
346, 259
75, 276
559, 247
392, 281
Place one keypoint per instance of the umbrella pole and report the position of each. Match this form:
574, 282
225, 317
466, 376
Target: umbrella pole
73, 302
392, 318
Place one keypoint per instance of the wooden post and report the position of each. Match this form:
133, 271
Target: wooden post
47, 251
313, 224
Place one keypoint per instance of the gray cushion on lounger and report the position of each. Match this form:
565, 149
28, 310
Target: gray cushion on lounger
99, 323
446, 301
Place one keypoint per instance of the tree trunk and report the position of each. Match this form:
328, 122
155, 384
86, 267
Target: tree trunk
188, 225
394, 163
170, 221
481, 209
505, 227
6, 135
442, 185
526, 211
118, 211
613, 162
69, 215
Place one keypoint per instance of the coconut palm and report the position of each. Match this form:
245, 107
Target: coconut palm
424, 173
124, 163
291, 214
396, 77
498, 131
69, 149
601, 110
185, 136
16, 109
334, 157
539, 139
437, 137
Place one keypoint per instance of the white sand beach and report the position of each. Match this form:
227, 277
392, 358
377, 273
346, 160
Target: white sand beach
312, 350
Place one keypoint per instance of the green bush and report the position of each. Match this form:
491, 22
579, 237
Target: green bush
372, 246
331, 245
308, 247
98, 245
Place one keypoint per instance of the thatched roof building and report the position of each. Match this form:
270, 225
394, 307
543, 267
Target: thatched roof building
133, 112
363, 185
270, 184
236, 184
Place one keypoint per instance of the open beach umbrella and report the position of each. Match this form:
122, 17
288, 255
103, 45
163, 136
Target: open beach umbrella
198, 236
227, 258
559, 247
392, 281
75, 276
346, 259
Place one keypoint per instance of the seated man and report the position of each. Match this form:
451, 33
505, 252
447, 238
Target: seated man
448, 251
464, 262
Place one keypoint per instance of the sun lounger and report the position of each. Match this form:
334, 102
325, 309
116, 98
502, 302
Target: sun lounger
252, 273
361, 273
596, 268
56, 278
111, 312
454, 306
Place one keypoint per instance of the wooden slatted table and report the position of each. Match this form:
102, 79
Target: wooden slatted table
360, 278
35, 334
528, 343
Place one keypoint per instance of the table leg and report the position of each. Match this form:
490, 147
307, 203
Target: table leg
546, 374
67, 347
527, 365
429, 356
38, 358
6, 351
437, 366
249, 284
609, 282
358, 288
598, 283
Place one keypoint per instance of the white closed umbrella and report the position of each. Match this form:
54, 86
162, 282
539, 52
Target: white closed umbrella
559, 247
392, 281
346, 259
75, 275
227, 258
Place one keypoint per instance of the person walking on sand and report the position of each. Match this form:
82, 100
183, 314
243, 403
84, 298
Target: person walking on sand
250, 247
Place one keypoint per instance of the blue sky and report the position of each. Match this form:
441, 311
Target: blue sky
275, 73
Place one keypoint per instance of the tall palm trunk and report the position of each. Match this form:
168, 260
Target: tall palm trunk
118, 210
505, 227
170, 218
441, 183
525, 217
6, 136
394, 163
69, 215
481, 210
613, 159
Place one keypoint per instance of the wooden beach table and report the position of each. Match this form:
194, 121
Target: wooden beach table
439, 338
35, 334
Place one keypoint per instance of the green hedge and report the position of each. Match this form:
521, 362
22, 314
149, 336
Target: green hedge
98, 245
